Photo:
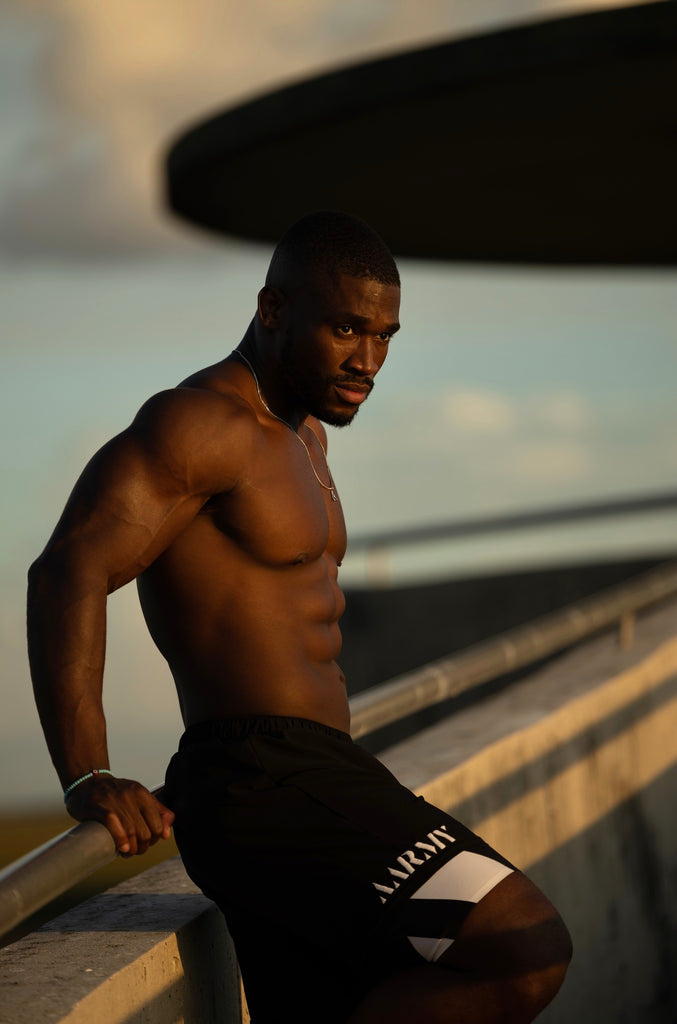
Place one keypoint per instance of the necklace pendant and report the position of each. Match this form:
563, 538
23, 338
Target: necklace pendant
334, 495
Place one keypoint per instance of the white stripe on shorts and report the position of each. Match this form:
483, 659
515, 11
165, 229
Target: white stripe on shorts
467, 876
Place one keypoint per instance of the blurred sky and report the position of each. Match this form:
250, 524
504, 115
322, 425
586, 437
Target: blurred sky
506, 389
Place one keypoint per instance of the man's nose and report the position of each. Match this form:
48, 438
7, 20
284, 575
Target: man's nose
365, 358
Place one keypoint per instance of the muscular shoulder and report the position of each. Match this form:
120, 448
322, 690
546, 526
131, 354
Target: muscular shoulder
203, 437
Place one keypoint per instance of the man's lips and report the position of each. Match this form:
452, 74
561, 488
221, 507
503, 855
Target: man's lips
353, 393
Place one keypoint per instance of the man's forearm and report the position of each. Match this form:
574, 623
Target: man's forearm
66, 647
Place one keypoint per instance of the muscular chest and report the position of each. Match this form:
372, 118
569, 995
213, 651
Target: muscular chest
283, 511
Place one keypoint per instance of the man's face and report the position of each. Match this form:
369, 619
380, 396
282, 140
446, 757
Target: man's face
335, 343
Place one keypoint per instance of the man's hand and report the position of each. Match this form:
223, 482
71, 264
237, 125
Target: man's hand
133, 816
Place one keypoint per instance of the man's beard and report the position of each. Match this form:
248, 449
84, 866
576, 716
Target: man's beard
313, 394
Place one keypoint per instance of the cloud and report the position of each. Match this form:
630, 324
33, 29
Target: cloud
554, 461
538, 439
478, 412
483, 412
466, 450
564, 412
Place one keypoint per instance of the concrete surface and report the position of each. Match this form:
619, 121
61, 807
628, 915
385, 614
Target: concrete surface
142, 953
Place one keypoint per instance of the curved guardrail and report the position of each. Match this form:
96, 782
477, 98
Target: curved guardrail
28, 884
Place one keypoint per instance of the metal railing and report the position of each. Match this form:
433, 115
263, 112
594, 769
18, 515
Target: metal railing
51, 870
514, 521
388, 702
45, 873
376, 546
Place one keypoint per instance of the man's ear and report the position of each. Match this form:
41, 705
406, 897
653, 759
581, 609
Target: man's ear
271, 303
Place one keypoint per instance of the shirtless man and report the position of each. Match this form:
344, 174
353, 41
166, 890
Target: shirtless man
348, 898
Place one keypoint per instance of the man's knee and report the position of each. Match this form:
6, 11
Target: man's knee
516, 936
538, 953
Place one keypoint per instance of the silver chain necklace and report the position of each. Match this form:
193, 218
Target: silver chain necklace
328, 487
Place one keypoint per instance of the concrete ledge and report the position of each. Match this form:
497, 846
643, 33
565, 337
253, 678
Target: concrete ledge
572, 774
145, 952
596, 702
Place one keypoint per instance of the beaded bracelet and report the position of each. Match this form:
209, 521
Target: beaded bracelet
90, 775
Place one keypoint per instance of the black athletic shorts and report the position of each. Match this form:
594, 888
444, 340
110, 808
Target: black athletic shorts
331, 874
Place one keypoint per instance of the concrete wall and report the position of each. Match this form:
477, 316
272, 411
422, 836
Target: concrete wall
449, 615
571, 773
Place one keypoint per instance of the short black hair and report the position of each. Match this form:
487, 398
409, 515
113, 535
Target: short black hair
331, 242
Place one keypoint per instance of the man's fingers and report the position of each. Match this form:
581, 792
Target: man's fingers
135, 835
166, 818
147, 821
167, 822
158, 818
119, 834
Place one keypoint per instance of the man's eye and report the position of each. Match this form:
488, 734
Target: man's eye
384, 336
346, 329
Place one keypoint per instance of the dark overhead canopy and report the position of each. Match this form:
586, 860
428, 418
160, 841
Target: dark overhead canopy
552, 142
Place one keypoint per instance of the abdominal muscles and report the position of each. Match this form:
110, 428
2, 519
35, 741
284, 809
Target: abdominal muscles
246, 638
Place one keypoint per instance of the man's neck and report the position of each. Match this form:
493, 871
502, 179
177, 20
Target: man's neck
261, 357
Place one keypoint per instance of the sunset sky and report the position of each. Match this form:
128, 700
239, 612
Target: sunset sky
506, 388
